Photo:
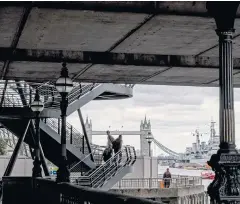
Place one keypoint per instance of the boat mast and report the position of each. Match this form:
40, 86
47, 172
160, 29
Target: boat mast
198, 140
212, 131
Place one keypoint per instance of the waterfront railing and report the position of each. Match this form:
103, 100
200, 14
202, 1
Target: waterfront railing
29, 190
174, 182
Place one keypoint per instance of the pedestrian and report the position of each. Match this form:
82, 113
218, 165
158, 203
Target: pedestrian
167, 178
110, 139
117, 146
107, 153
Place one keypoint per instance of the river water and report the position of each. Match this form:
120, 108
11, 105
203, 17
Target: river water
185, 172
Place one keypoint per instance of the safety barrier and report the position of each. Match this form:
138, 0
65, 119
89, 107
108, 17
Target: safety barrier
36, 190
174, 182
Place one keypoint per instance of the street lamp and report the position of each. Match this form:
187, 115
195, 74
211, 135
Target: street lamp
37, 106
149, 140
64, 85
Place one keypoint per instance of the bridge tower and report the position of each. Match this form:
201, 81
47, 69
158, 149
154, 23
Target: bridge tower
145, 127
88, 126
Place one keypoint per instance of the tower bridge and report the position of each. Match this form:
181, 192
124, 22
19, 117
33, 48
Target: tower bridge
145, 128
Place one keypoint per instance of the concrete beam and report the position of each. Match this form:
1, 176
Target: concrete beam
191, 8
111, 58
16, 37
182, 8
163, 7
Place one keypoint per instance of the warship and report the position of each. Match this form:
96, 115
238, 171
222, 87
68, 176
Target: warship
201, 151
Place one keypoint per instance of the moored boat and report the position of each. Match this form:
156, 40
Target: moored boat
208, 175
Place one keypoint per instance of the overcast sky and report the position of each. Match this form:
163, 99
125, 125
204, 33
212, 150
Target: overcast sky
175, 112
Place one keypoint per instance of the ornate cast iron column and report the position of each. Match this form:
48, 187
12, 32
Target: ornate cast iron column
64, 85
37, 106
63, 174
226, 186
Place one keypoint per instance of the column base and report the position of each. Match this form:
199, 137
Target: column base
225, 188
37, 170
63, 174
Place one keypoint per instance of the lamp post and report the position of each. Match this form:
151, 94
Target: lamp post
149, 140
64, 85
37, 106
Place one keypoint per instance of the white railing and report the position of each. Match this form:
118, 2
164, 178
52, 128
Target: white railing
174, 182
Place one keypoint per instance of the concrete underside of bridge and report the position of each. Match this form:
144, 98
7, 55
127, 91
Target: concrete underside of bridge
161, 43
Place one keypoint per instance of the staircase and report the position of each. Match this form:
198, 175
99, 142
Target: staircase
78, 97
103, 176
108, 174
50, 141
84, 93
77, 168
84, 159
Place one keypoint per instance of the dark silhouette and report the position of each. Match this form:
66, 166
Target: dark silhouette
167, 178
110, 139
117, 146
107, 154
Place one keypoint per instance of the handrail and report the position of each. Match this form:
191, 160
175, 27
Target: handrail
109, 168
77, 92
79, 162
92, 153
105, 164
72, 134
47, 91
108, 164
111, 171
76, 139
175, 182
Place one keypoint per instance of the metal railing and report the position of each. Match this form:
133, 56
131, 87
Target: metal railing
73, 136
77, 170
16, 91
47, 91
75, 94
206, 198
174, 182
77, 139
37, 190
10, 140
127, 156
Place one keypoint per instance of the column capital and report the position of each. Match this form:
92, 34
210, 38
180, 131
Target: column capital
224, 14
225, 33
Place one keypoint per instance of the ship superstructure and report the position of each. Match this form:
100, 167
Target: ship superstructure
201, 150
